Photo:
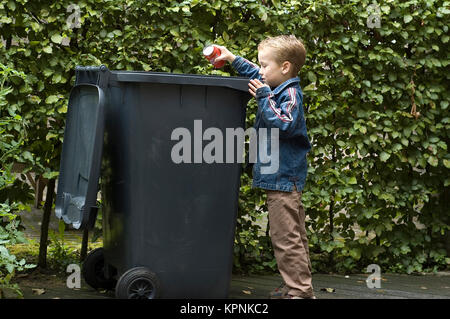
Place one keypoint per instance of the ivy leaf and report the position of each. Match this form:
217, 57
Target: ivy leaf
407, 18
446, 163
28, 156
11, 5
51, 175
310, 87
384, 156
57, 38
433, 161
48, 49
51, 99
10, 267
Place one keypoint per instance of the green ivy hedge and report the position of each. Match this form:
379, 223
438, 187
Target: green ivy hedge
10, 145
376, 103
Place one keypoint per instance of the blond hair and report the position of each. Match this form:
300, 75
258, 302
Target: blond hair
286, 48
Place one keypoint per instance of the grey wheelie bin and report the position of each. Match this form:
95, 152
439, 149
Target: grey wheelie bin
168, 225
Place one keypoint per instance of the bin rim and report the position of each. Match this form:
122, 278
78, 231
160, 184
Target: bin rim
233, 82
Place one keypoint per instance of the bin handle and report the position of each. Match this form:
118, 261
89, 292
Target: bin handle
97, 75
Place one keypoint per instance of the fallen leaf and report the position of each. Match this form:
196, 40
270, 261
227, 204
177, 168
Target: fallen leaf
37, 291
329, 290
247, 292
375, 278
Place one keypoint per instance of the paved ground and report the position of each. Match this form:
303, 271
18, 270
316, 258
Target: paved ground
38, 285
332, 286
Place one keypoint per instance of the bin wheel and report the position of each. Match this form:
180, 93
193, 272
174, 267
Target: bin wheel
94, 270
138, 283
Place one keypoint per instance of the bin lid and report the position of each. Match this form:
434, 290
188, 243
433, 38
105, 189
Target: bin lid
81, 157
232, 82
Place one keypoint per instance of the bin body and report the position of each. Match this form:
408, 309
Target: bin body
176, 219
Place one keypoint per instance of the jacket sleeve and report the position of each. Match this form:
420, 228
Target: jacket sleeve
246, 68
284, 114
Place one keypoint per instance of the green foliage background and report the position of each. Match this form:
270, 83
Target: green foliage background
10, 145
378, 183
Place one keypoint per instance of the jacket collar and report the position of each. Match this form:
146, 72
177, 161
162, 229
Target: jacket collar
283, 85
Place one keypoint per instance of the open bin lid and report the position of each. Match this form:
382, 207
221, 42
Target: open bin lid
81, 157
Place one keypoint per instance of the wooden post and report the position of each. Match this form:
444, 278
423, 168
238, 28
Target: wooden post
42, 261
84, 244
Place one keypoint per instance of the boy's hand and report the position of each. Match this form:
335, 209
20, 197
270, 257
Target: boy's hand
254, 85
225, 54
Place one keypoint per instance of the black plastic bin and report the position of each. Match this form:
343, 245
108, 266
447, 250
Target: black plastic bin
168, 228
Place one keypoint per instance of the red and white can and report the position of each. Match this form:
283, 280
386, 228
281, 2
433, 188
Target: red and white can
211, 52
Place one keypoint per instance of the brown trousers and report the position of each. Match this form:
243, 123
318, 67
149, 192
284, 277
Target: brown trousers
289, 241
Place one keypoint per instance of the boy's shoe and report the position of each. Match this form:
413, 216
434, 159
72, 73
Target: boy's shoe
280, 292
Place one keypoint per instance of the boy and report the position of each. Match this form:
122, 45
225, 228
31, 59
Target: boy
279, 97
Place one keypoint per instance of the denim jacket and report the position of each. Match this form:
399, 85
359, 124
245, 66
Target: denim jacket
282, 108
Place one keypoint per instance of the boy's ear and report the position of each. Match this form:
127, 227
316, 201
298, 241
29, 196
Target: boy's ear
286, 67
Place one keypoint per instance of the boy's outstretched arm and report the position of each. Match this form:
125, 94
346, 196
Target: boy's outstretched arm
241, 65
